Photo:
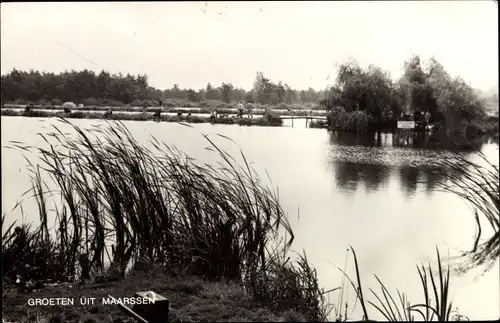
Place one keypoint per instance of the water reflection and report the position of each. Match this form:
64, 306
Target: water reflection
423, 178
417, 140
409, 177
349, 175
371, 160
360, 139
435, 141
434, 176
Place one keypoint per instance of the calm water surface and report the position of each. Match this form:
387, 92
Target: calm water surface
339, 190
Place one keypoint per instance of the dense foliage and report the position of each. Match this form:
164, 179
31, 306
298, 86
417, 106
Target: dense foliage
90, 88
363, 96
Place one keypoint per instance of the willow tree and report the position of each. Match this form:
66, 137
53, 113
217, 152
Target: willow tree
370, 91
454, 99
413, 85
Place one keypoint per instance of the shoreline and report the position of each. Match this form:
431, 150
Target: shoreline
179, 107
147, 116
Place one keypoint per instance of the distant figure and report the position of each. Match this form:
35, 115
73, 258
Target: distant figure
108, 113
179, 114
240, 109
27, 109
249, 110
417, 115
189, 114
145, 106
157, 113
427, 117
68, 106
213, 114
160, 103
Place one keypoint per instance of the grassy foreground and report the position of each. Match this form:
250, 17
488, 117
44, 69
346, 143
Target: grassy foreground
260, 121
212, 238
193, 300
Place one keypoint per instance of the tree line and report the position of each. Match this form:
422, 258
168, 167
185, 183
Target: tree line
89, 88
358, 97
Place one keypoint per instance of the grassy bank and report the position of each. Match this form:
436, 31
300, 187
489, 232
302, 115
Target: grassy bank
258, 121
197, 107
193, 300
212, 238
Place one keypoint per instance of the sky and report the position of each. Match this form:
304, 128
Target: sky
299, 43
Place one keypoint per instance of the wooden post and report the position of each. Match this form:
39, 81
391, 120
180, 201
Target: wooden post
130, 312
156, 312
292, 120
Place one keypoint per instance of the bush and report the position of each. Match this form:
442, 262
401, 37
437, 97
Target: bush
22, 102
112, 103
140, 103
31, 256
356, 121
91, 102
56, 101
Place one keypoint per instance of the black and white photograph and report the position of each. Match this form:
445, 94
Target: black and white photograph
250, 161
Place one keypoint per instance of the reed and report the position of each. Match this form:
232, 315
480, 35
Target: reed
159, 206
478, 184
436, 305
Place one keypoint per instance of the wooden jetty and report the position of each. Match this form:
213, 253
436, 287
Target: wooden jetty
307, 118
303, 117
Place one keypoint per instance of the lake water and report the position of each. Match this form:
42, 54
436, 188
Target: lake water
346, 189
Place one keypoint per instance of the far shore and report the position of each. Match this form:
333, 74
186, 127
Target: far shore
258, 110
245, 121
